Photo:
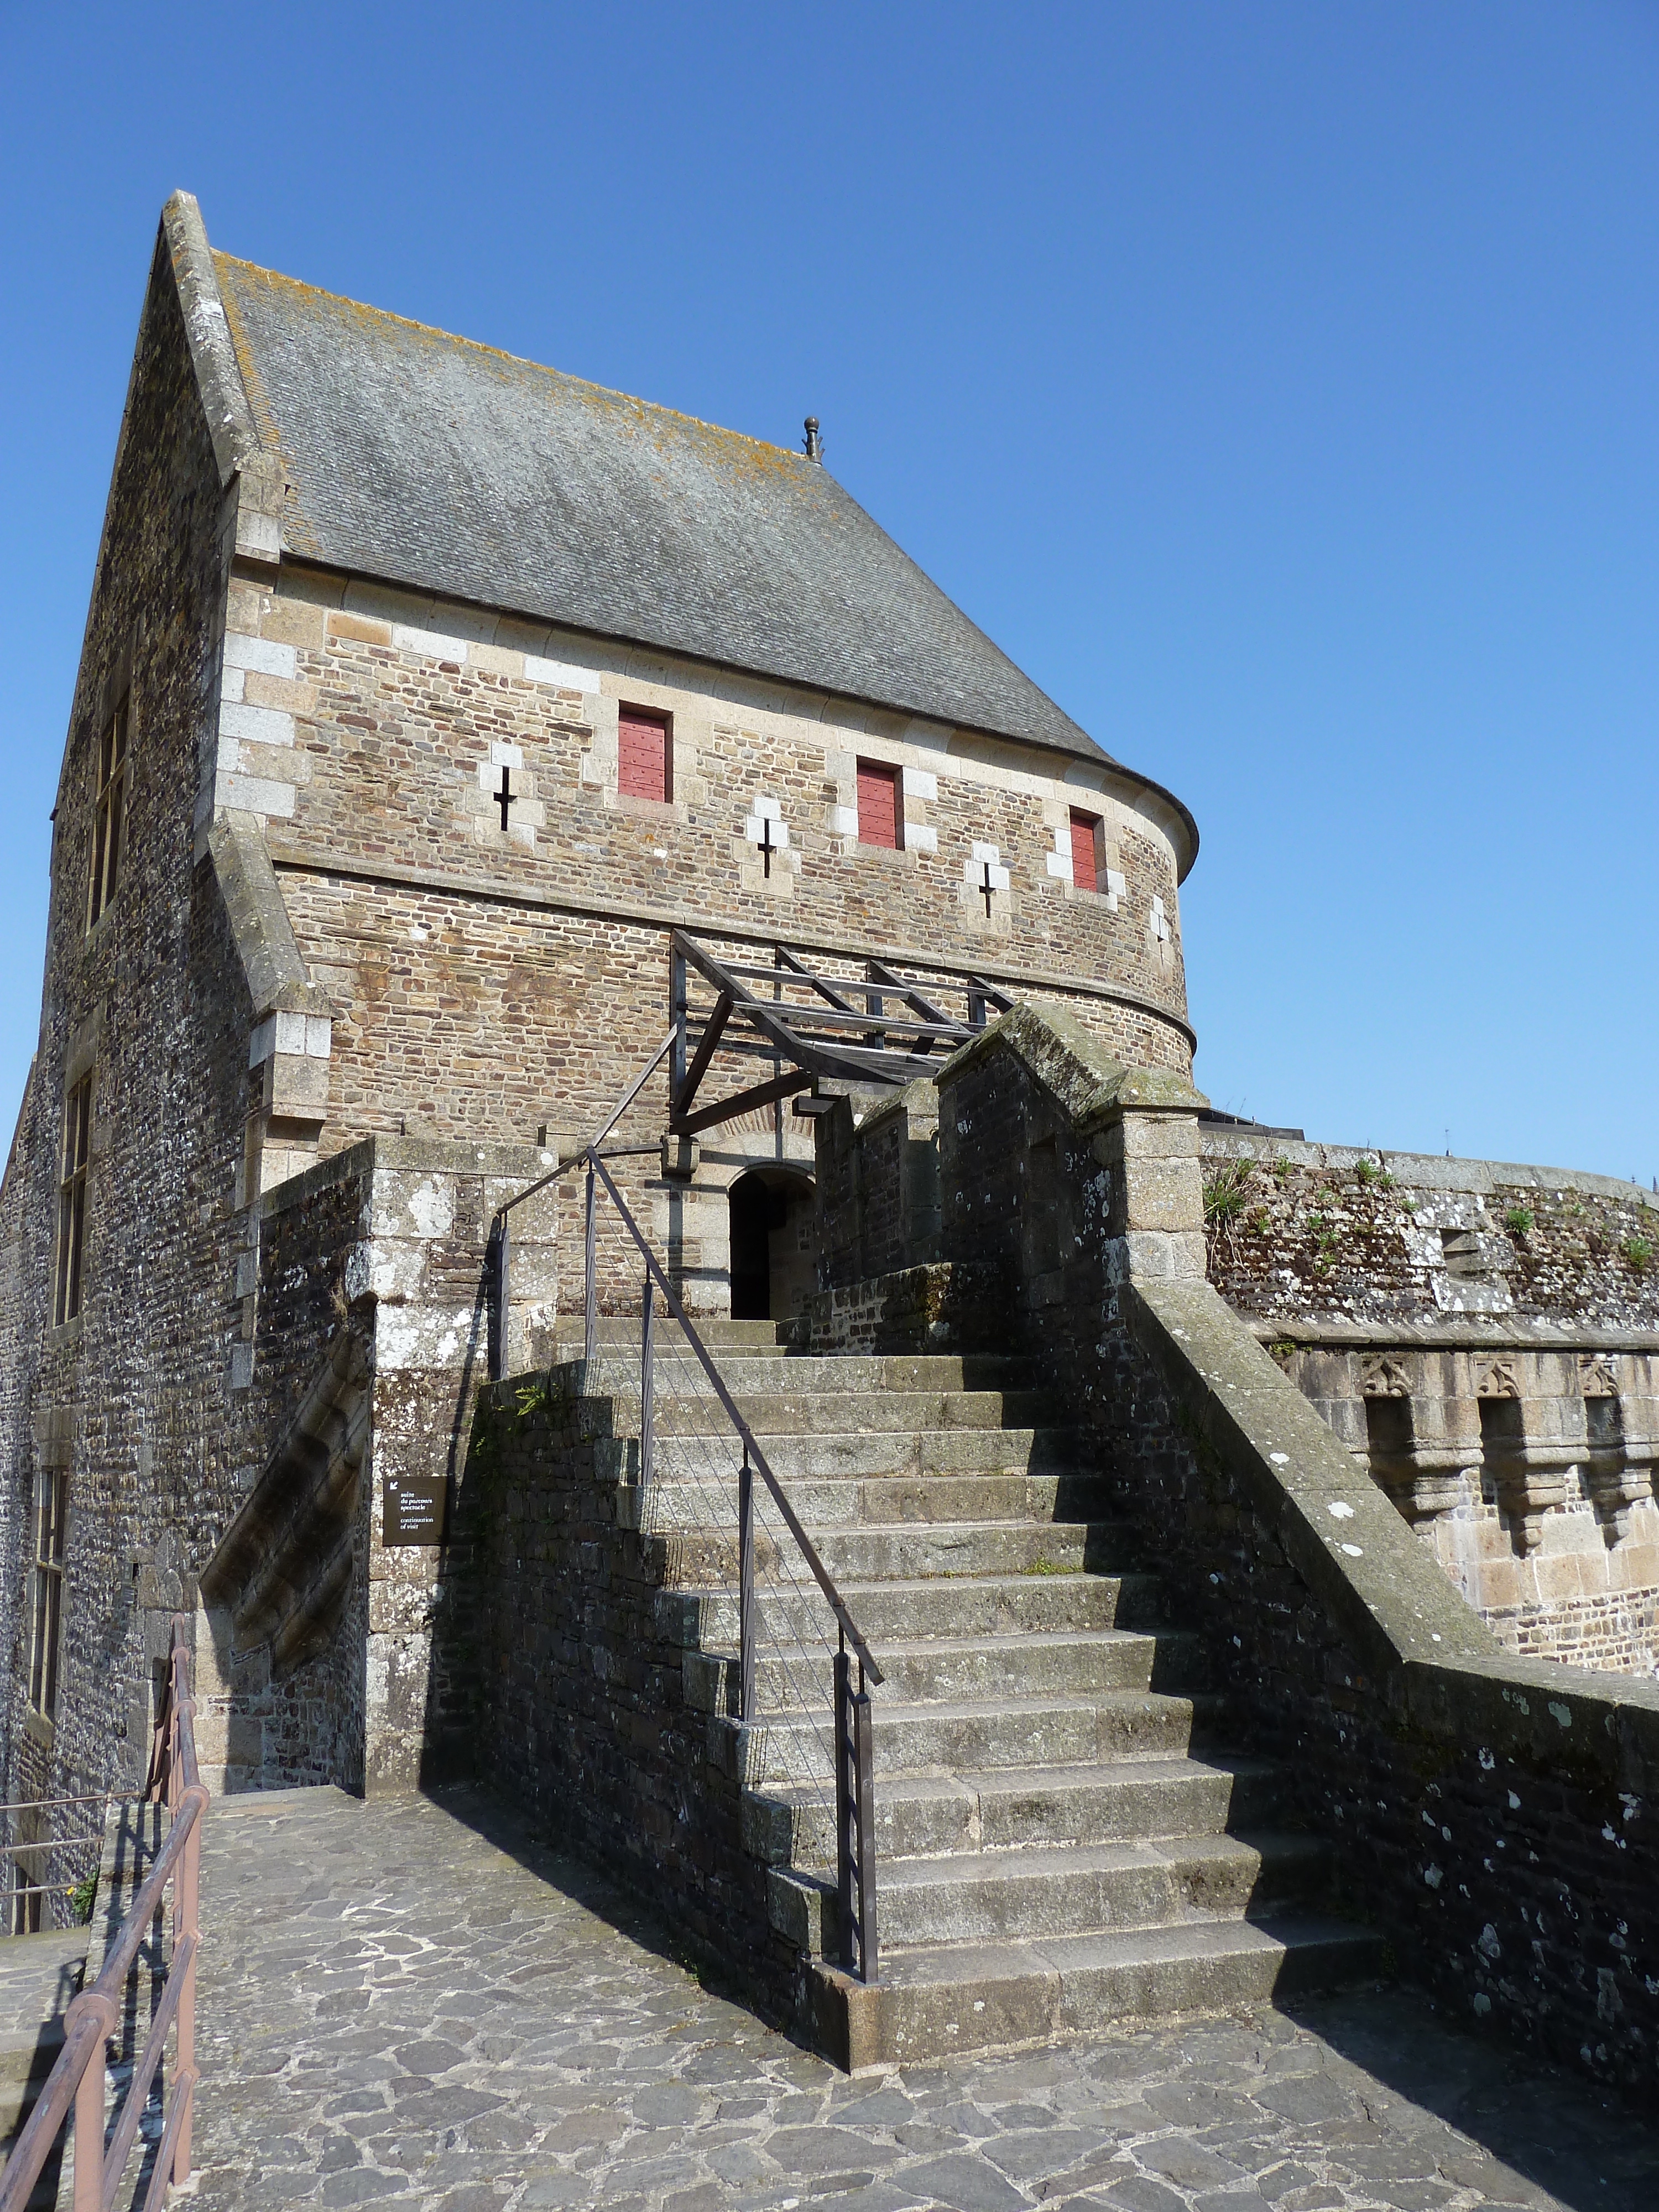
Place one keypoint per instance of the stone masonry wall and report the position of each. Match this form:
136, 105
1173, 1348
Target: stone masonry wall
1484, 1819
1485, 1339
370, 728
131, 1397
562, 1613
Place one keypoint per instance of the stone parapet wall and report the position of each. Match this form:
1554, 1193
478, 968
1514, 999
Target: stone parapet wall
1494, 1813
1485, 1339
1303, 1233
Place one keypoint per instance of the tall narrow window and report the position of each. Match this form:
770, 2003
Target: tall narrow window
109, 819
645, 766
1086, 868
50, 1517
72, 1198
881, 817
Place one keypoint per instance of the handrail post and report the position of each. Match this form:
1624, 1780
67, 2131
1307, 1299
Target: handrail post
679, 1016
495, 1263
746, 1590
90, 2134
864, 1819
591, 1308
647, 1377
855, 1821
845, 1783
189, 1891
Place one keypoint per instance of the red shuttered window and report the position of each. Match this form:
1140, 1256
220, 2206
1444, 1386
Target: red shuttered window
644, 756
1085, 874
880, 816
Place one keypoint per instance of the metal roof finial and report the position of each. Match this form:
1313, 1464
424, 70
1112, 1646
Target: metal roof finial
814, 443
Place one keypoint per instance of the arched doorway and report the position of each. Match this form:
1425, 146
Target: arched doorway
774, 1245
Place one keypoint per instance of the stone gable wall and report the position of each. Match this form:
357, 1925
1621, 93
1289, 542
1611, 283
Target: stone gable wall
133, 1398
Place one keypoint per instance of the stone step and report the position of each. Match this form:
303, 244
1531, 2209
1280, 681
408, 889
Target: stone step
677, 1372
682, 1496
1049, 1663
1006, 1806
753, 1340
969, 1734
1059, 1890
978, 1997
908, 1551
855, 1452
854, 1412
949, 1606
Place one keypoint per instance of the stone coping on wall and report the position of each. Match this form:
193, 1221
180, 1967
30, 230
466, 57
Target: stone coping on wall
377, 1154
1451, 1332
1405, 1621
1073, 1068
1415, 1170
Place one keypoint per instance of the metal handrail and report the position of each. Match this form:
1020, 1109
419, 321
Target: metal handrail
855, 1855
498, 1254
78, 2076
808, 1551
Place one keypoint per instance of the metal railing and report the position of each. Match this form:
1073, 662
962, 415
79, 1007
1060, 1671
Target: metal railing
77, 2077
41, 1893
708, 1433
685, 1464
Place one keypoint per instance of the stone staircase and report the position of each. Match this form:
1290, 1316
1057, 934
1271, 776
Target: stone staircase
1063, 1838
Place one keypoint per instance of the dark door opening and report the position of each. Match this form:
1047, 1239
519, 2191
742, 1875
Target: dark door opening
773, 1245
751, 1265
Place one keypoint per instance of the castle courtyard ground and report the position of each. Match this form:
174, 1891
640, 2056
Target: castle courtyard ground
416, 2003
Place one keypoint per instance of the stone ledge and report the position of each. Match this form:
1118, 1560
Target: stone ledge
1074, 1067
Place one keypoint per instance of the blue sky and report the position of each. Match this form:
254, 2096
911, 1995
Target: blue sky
1279, 383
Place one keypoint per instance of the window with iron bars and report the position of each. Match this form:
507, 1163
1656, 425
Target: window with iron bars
50, 1518
109, 817
72, 1200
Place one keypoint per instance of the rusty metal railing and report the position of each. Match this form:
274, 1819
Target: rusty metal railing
77, 2078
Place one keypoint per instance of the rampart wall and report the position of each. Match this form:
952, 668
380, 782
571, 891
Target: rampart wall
1486, 1338
1494, 1814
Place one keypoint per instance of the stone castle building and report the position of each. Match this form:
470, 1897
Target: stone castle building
443, 724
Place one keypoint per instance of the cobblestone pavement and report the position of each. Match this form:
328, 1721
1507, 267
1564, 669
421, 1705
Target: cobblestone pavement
411, 2005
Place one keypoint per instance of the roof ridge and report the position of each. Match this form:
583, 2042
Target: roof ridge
501, 353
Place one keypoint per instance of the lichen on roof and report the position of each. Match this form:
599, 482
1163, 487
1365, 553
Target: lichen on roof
433, 462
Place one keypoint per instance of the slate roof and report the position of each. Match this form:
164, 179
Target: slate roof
428, 461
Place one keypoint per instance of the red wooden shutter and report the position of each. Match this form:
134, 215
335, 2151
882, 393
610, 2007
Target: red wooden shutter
1083, 852
642, 754
878, 808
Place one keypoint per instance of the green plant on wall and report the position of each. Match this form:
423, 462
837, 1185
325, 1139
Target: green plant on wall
531, 1397
1518, 1221
1224, 1193
1366, 1172
1638, 1250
